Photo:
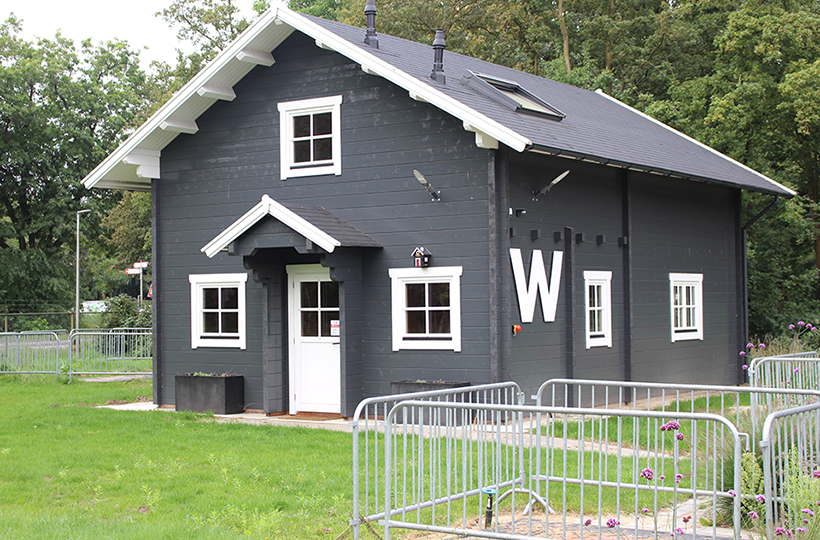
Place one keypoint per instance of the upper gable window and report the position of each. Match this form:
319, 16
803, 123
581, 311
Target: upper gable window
310, 138
598, 296
512, 95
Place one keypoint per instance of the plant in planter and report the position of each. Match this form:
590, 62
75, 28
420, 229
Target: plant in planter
201, 392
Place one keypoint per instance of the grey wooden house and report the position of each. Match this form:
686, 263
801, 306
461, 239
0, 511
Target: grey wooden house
336, 209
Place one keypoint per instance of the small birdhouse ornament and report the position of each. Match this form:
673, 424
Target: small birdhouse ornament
421, 257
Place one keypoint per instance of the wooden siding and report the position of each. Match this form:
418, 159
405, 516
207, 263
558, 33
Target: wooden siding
211, 178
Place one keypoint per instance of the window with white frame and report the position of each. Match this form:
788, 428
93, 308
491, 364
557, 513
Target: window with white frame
686, 300
218, 310
426, 308
598, 298
310, 138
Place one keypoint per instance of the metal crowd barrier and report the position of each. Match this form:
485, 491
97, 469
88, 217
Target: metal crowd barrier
369, 439
791, 471
522, 472
30, 352
800, 370
121, 351
746, 407
600, 459
80, 352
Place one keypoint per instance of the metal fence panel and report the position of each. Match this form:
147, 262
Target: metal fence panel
30, 352
799, 371
791, 470
745, 407
520, 472
369, 439
118, 351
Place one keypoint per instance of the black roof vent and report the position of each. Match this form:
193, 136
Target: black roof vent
370, 37
438, 57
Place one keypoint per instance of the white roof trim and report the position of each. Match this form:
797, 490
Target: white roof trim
690, 139
373, 65
269, 207
241, 48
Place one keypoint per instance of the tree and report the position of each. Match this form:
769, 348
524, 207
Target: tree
63, 109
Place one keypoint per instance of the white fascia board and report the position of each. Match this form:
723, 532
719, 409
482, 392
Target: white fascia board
269, 207
694, 141
373, 65
191, 89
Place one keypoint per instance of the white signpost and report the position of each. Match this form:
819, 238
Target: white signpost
138, 266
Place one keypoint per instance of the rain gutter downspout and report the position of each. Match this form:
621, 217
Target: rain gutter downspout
745, 277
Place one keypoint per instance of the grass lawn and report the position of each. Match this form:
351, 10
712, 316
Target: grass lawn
72, 471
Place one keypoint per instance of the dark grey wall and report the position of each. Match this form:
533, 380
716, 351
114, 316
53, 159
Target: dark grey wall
211, 178
676, 226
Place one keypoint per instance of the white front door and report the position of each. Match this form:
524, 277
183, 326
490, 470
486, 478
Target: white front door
314, 359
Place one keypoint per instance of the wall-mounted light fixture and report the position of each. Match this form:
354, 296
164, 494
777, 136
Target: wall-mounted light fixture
421, 257
517, 212
436, 195
536, 194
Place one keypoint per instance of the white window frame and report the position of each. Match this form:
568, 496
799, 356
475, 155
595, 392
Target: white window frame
203, 281
289, 110
694, 329
603, 280
402, 276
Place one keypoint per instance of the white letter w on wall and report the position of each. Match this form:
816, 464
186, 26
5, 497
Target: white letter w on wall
538, 284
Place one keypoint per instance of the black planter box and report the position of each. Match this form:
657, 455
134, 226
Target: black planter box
217, 393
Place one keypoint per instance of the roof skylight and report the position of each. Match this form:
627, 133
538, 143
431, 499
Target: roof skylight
512, 95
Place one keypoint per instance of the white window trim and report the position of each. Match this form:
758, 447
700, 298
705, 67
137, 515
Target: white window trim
199, 282
290, 109
604, 279
683, 280
399, 277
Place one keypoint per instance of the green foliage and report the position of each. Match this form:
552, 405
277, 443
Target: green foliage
125, 312
64, 108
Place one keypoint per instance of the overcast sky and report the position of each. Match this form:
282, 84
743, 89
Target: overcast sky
103, 20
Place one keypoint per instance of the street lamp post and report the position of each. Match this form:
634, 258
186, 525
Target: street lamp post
77, 270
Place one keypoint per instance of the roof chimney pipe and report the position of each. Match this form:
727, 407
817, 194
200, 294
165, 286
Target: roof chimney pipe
370, 37
438, 57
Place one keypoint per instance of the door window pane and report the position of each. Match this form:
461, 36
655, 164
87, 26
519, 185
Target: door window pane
310, 294
328, 316
330, 294
310, 324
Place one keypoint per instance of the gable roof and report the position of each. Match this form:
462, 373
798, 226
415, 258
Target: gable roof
313, 222
596, 127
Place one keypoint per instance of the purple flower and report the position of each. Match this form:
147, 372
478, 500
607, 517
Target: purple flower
612, 523
670, 426
745, 367
750, 345
814, 329
807, 511
779, 530
679, 531
662, 477
742, 353
679, 436
762, 498
678, 478
801, 323
796, 369
732, 493
645, 510
791, 327
649, 474
800, 529
816, 474
753, 515
762, 345
587, 522
686, 519
806, 520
